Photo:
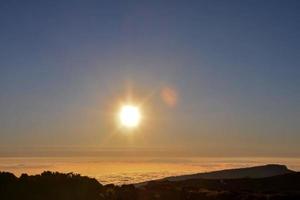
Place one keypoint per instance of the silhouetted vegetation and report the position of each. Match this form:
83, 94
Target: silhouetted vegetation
49, 185
59, 186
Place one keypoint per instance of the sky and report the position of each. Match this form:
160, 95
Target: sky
230, 68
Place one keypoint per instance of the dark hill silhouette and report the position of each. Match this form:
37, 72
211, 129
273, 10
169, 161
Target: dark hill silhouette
281, 187
249, 172
58, 186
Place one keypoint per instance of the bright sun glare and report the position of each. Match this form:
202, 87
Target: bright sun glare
130, 116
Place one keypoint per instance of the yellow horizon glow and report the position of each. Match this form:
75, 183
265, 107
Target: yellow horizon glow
130, 116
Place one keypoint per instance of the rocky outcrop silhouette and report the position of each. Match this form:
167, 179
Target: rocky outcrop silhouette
249, 172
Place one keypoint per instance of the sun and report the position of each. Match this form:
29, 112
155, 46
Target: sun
130, 116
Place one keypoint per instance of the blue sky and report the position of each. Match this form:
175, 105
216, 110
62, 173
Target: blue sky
234, 64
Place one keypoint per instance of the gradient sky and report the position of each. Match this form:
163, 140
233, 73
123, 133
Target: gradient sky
235, 66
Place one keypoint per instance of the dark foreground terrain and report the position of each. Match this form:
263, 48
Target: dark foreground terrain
58, 186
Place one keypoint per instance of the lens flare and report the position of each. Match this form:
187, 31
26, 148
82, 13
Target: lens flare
169, 96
